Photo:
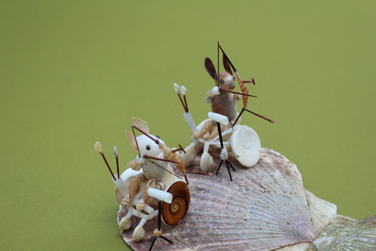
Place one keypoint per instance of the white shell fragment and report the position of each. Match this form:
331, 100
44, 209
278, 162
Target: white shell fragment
189, 156
245, 144
215, 90
206, 162
218, 118
176, 88
183, 90
160, 195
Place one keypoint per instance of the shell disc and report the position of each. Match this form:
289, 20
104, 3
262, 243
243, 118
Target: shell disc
245, 144
173, 213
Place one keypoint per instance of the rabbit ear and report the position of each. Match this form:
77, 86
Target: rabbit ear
210, 68
141, 124
131, 139
226, 65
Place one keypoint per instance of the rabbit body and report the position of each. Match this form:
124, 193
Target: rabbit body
152, 171
225, 104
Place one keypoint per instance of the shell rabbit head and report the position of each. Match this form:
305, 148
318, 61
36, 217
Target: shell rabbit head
143, 143
226, 79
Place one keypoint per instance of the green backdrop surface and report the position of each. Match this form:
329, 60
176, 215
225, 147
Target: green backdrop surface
74, 72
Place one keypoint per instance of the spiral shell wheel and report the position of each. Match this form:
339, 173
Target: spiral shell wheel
245, 144
173, 213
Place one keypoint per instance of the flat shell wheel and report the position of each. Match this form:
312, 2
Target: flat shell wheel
173, 213
245, 144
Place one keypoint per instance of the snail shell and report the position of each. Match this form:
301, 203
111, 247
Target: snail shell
173, 213
245, 144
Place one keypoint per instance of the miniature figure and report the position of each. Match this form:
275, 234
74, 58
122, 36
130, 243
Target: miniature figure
150, 169
242, 142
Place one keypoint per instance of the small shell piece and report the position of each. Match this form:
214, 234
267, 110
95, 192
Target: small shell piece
183, 90
173, 156
176, 88
344, 234
244, 89
189, 156
245, 144
133, 164
138, 233
98, 146
320, 210
206, 162
140, 124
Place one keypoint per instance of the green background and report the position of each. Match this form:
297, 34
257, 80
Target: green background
74, 72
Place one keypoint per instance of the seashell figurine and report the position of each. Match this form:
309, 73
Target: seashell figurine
242, 141
151, 169
264, 208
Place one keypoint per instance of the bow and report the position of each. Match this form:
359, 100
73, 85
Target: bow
243, 87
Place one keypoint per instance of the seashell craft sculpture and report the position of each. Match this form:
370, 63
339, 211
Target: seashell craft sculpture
265, 206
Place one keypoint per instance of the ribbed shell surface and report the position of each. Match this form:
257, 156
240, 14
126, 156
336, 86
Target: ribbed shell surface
264, 208
345, 234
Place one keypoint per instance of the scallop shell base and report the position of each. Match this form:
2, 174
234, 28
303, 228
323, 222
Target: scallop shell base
265, 208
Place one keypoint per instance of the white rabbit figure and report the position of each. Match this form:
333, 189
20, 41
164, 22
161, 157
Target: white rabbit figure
153, 173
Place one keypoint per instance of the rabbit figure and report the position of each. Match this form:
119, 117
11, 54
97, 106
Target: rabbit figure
222, 102
152, 175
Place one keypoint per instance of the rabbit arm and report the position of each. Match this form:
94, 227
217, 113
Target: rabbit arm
208, 97
136, 163
211, 93
238, 97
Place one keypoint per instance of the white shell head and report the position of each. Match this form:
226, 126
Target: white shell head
148, 146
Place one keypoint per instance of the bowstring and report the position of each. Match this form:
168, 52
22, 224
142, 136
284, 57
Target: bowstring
223, 104
163, 168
